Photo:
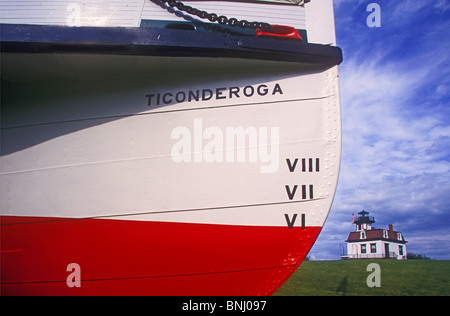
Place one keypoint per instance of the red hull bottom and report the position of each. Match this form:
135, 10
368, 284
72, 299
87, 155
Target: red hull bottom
121, 257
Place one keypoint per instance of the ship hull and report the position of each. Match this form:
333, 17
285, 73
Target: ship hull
150, 201
118, 257
162, 162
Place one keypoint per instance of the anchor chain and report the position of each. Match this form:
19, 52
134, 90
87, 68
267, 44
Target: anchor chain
213, 17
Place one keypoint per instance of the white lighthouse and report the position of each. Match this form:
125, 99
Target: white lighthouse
367, 242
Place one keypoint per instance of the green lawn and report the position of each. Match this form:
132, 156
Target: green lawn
348, 277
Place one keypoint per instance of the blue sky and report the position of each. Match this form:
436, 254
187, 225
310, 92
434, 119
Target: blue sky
395, 92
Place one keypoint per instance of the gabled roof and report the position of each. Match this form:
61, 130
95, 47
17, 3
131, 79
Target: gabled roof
376, 234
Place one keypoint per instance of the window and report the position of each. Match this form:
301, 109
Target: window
373, 248
363, 248
362, 235
385, 234
400, 250
399, 236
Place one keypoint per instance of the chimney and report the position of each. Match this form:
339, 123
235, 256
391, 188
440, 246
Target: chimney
391, 228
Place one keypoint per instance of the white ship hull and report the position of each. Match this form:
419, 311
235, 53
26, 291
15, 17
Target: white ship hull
163, 175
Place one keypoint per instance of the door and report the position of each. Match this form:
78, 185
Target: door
386, 250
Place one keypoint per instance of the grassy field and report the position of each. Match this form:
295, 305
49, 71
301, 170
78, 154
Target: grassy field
348, 277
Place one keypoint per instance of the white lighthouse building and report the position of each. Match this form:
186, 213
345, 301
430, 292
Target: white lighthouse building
367, 242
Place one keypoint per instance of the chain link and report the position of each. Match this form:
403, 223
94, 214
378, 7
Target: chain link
213, 17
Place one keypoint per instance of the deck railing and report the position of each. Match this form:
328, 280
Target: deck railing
390, 255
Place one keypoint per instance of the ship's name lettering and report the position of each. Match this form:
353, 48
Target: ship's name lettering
206, 94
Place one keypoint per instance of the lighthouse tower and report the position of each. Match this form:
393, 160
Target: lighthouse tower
364, 222
367, 242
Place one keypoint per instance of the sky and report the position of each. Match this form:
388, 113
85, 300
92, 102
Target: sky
395, 93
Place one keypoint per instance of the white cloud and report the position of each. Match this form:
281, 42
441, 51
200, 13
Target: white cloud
385, 131
396, 125
441, 5
434, 246
405, 10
